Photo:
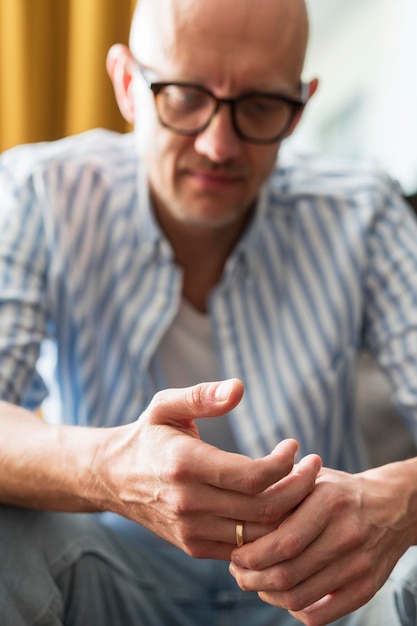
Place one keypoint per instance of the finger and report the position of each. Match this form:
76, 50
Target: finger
179, 407
329, 594
194, 496
293, 587
214, 530
297, 590
278, 502
292, 489
275, 507
208, 550
235, 472
334, 605
301, 528
176, 406
357, 570
212, 513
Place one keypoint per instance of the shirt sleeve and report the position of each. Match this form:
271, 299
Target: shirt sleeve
23, 277
390, 288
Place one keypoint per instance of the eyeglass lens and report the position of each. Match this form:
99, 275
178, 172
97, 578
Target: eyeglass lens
189, 109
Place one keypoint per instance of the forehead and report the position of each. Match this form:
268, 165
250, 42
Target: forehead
232, 43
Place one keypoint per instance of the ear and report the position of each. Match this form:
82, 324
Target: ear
312, 88
119, 68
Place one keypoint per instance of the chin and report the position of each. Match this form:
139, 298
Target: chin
213, 218
211, 209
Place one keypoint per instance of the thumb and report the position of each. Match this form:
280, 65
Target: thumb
203, 400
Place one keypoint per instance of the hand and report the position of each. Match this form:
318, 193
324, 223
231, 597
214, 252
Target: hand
334, 552
158, 472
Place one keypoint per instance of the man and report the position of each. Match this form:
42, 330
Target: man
161, 262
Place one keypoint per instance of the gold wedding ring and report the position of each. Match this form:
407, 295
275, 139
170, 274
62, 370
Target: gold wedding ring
239, 534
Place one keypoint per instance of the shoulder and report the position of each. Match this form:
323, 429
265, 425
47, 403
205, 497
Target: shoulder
100, 153
330, 184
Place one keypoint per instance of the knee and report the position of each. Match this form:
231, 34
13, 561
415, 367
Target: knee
27, 534
37, 542
36, 548
27, 593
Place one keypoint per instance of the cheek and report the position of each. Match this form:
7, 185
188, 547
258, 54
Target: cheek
161, 152
263, 159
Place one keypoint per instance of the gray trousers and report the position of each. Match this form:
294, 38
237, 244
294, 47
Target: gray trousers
72, 569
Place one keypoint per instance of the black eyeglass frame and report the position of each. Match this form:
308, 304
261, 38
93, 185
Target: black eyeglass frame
157, 86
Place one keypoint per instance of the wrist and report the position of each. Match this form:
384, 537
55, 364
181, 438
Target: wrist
393, 493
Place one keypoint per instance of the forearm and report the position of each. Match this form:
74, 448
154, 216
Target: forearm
46, 466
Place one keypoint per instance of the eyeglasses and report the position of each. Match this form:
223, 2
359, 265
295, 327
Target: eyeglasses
187, 109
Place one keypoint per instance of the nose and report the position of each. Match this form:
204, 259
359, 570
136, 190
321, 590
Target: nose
219, 142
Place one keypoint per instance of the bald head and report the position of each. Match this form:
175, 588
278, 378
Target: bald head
221, 32
230, 48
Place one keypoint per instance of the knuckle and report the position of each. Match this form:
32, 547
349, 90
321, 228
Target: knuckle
340, 501
196, 550
180, 503
174, 486
174, 505
365, 572
365, 590
251, 483
175, 470
280, 578
292, 600
335, 501
252, 562
268, 511
351, 537
157, 400
191, 543
366, 564
290, 545
256, 479
284, 579
305, 476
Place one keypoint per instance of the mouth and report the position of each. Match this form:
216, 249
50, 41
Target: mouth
214, 180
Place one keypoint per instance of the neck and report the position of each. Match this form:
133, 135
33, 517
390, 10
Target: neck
201, 252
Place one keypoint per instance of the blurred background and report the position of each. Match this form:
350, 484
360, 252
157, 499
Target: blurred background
53, 80
364, 53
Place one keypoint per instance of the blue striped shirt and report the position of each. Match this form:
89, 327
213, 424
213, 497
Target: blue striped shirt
327, 267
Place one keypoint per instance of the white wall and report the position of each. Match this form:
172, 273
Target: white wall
365, 55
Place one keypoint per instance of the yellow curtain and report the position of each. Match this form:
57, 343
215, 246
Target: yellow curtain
53, 79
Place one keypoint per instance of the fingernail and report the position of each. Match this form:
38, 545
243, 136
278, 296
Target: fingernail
223, 390
237, 561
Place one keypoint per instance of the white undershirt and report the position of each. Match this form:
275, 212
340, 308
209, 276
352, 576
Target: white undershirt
187, 356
